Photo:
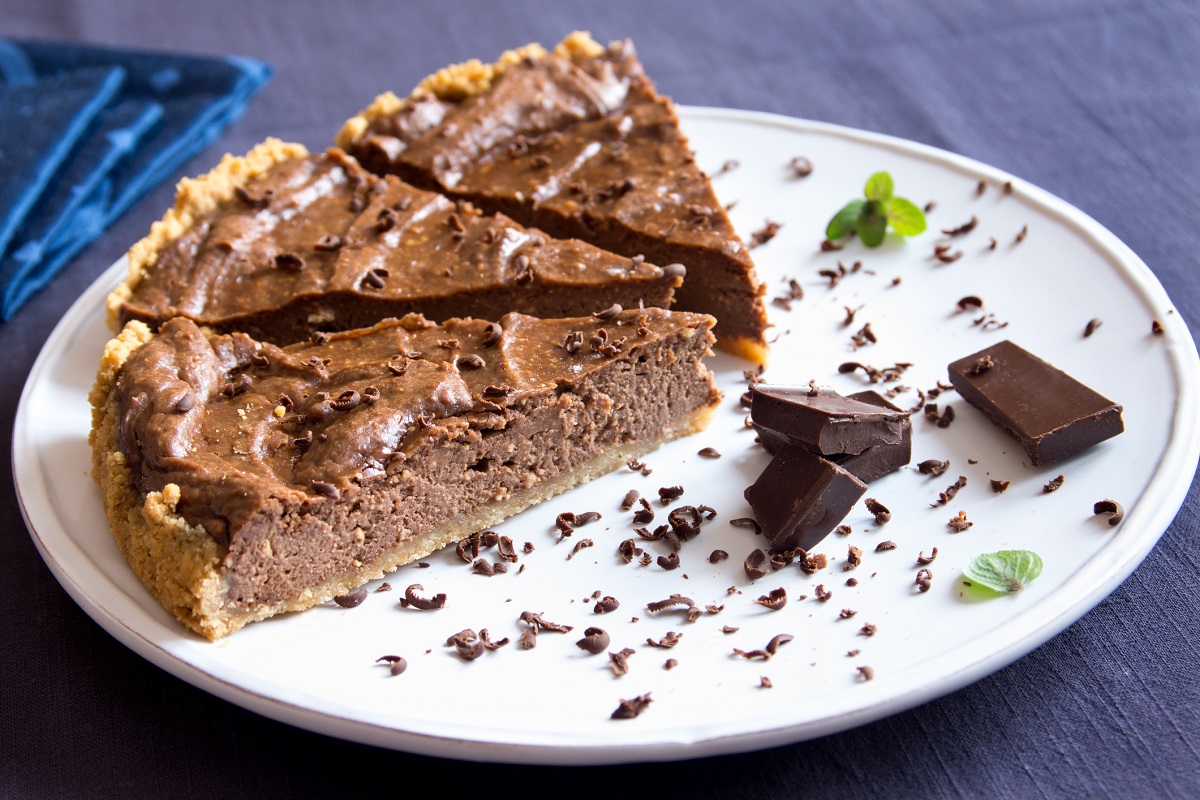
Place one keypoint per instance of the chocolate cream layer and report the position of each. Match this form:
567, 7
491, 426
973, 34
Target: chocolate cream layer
309, 461
318, 243
579, 144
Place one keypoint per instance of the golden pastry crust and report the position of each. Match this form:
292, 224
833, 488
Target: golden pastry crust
460, 81
195, 197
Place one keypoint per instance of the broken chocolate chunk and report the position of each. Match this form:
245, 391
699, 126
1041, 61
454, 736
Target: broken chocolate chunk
1050, 413
826, 422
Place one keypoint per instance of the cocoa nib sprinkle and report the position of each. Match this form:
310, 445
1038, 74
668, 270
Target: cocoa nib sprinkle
1054, 484
885, 546
1092, 326
353, 599
881, 512
801, 167
924, 580
933, 467
669, 640
595, 641
1000, 487
620, 661
395, 664
420, 603
1115, 511
628, 709
774, 600
606, 605
764, 234
535, 620
959, 522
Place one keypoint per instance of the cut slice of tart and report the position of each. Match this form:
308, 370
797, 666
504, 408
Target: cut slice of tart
242, 479
578, 143
278, 244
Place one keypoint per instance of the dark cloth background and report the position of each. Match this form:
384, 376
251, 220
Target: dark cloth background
1097, 101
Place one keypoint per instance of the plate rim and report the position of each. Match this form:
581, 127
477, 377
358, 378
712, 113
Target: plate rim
1160, 502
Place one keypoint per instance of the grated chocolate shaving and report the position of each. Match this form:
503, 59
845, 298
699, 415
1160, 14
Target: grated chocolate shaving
353, 599
959, 522
1115, 511
1054, 484
881, 512
774, 600
595, 641
754, 564
669, 640
628, 709
421, 604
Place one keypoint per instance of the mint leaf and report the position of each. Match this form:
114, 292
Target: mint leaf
872, 224
879, 187
1004, 571
870, 218
905, 218
844, 221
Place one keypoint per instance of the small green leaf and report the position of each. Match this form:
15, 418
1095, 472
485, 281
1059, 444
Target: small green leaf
1004, 571
879, 187
844, 221
906, 219
872, 224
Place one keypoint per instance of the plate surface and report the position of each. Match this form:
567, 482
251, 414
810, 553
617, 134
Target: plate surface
552, 704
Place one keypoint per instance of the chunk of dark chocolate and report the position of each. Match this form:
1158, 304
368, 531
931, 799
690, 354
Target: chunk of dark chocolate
1050, 413
872, 463
824, 421
801, 497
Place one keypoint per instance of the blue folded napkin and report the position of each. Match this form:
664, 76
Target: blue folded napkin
88, 131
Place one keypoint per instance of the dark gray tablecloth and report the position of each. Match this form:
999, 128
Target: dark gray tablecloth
1097, 101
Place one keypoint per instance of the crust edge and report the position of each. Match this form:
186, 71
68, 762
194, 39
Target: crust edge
195, 197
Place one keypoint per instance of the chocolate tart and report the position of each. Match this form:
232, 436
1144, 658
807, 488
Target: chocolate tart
242, 479
575, 142
279, 243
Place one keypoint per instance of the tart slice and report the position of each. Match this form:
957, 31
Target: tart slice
242, 479
278, 244
578, 143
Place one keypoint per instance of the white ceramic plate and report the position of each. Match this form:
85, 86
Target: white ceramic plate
552, 704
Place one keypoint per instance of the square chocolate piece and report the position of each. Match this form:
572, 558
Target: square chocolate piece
801, 497
1050, 413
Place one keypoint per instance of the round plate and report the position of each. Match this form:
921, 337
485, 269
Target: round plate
552, 704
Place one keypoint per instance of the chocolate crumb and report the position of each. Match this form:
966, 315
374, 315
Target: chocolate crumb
527, 547
483, 567
631, 497
1000, 487
822, 594
881, 512
594, 641
853, 558
353, 599
396, 664
980, 188
843, 530
1091, 327
628, 709
708, 452
852, 581
528, 638
727, 166
670, 664
1115, 511
959, 523
620, 662
638, 466
754, 564
669, 640
801, 167
764, 234
1021, 234
930, 206
774, 600
866, 673
868, 629
853, 653
1156, 328
717, 555
981, 366
924, 580
420, 603
846, 613
764, 682
1054, 484
606, 605
992, 243
883, 546
933, 467
384, 587
729, 629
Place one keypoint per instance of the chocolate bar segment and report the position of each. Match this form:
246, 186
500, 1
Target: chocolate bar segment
801, 497
824, 421
1050, 413
872, 463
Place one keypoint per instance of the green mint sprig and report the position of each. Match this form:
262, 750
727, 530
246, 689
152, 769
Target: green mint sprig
870, 217
1004, 571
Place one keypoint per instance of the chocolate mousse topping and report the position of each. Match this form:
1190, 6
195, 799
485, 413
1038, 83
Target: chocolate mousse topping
318, 466
317, 243
578, 143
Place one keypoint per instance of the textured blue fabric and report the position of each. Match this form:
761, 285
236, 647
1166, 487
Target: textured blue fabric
43, 119
168, 108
